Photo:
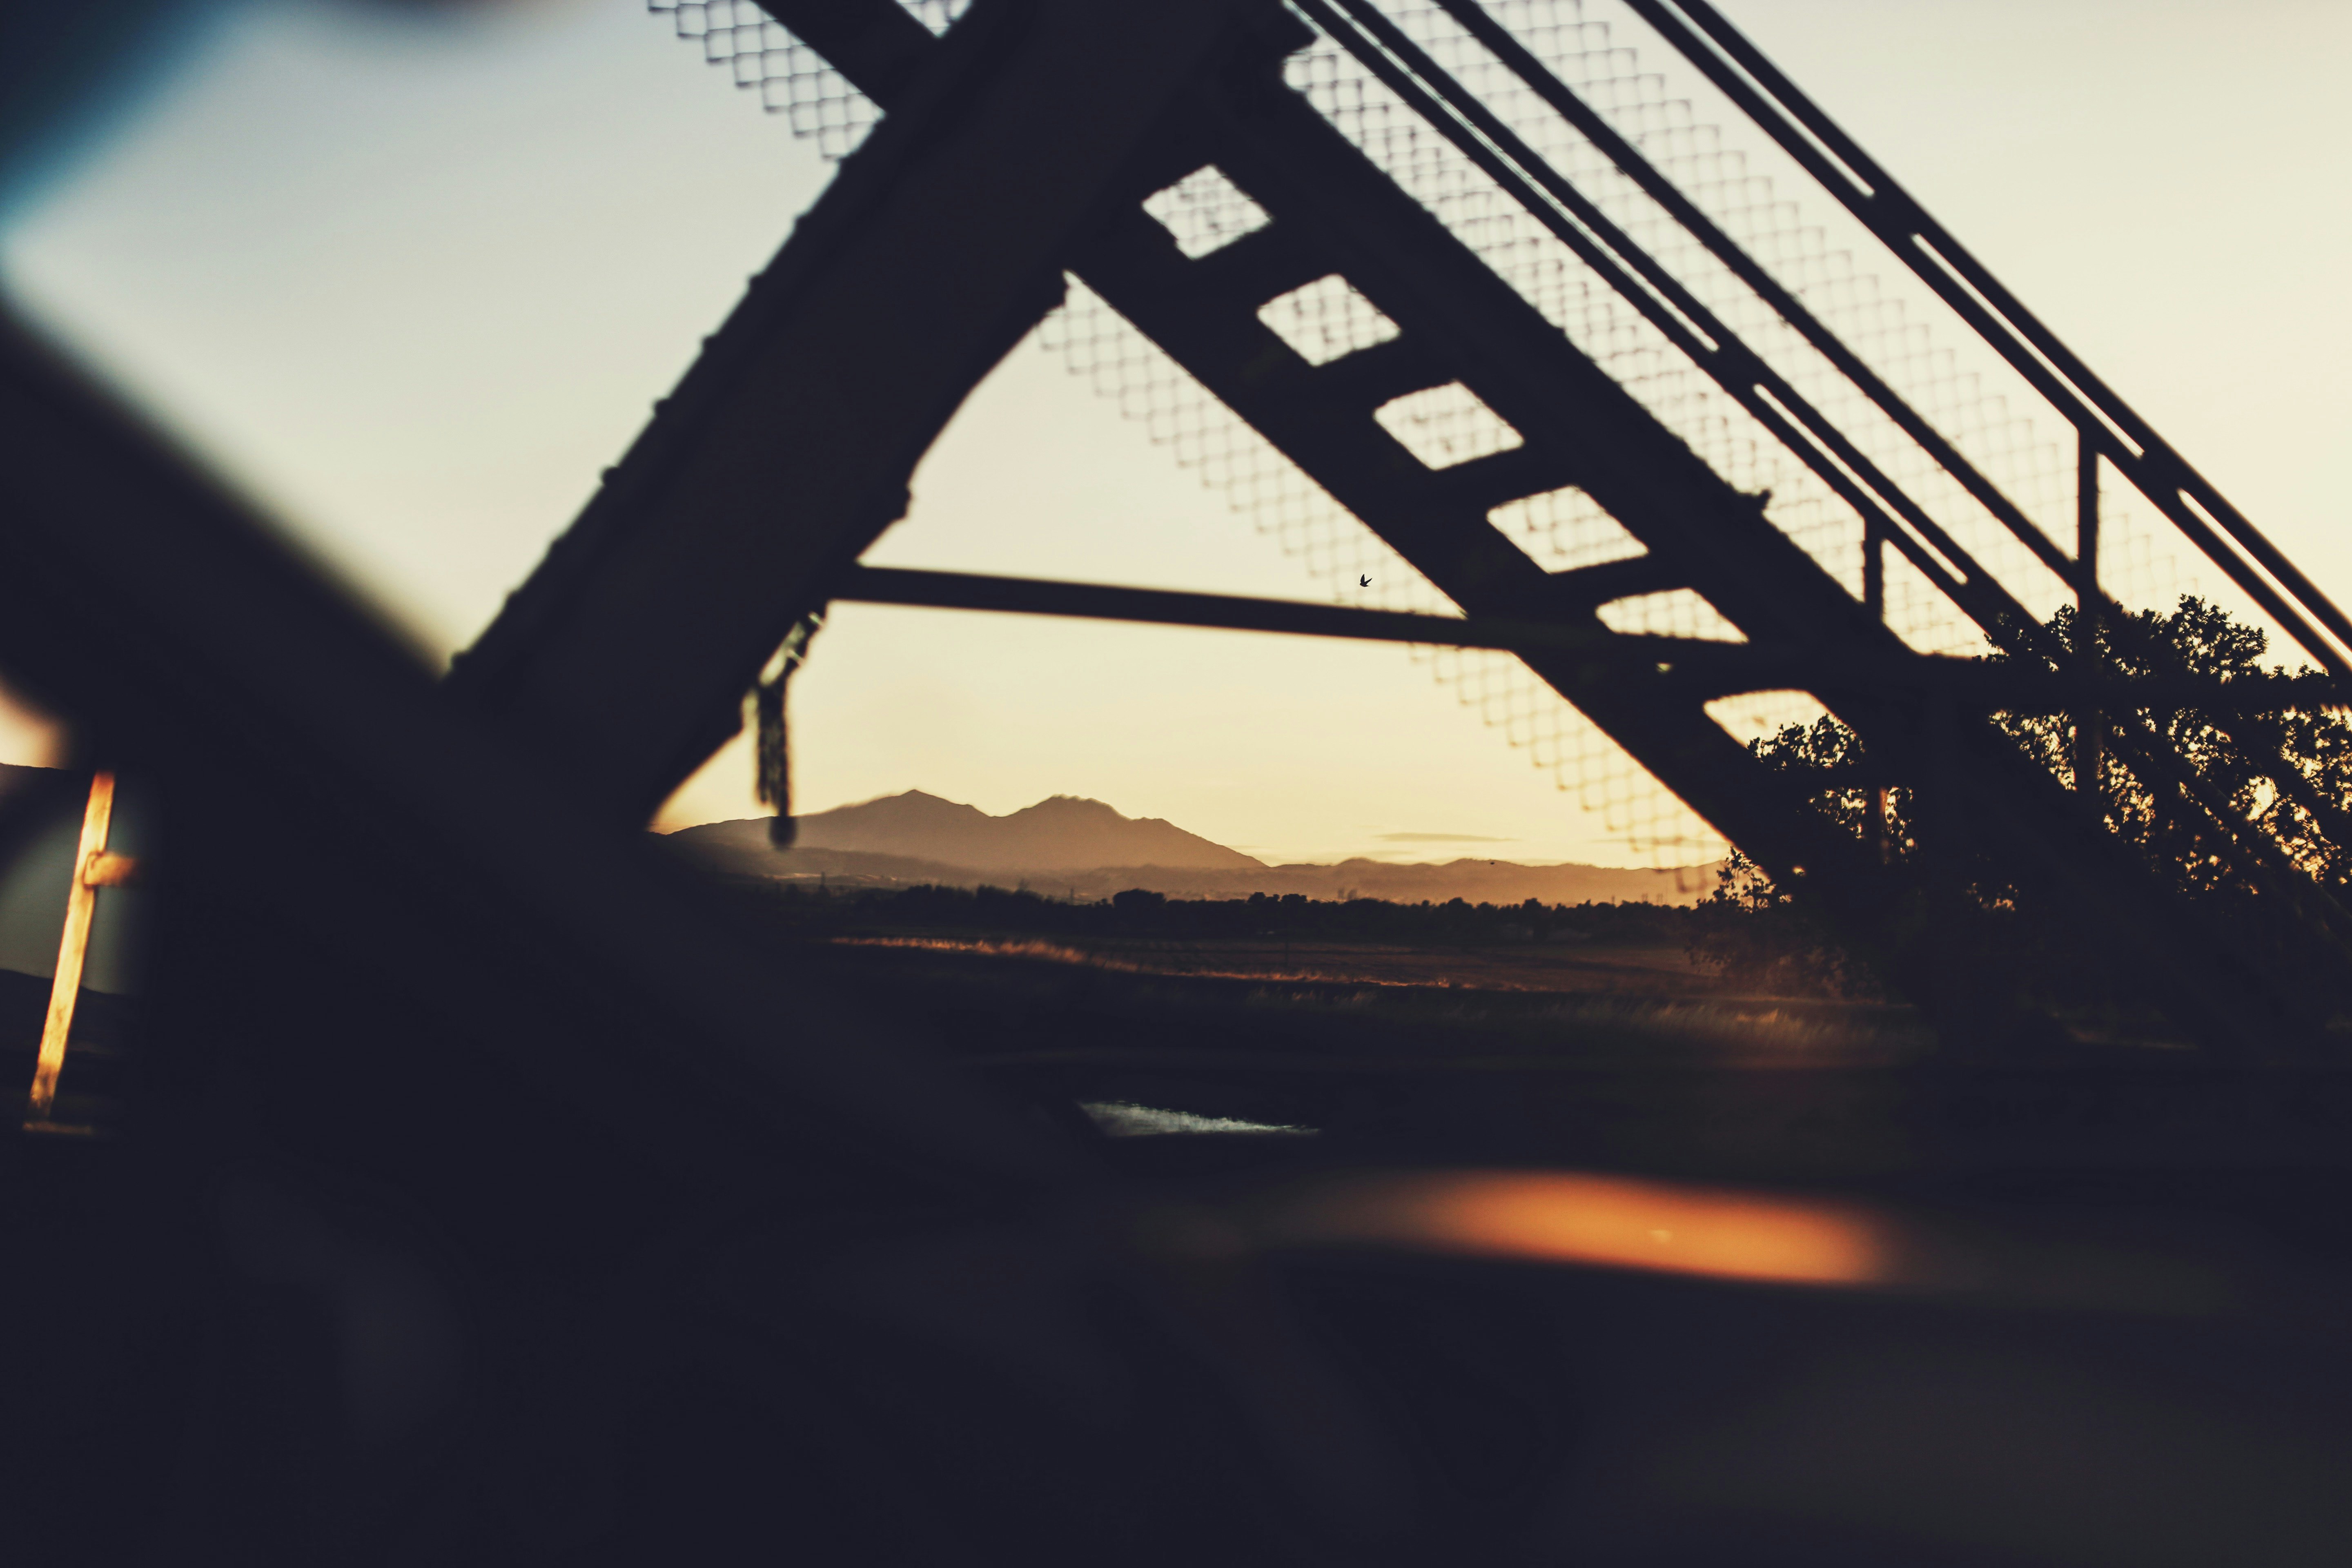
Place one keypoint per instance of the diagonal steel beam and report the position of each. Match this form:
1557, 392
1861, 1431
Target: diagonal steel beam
790, 444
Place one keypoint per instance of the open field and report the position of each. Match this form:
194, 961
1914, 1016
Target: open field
1457, 1038
1439, 983
1518, 967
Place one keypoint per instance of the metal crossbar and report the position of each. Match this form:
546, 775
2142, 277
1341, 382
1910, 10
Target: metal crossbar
1715, 669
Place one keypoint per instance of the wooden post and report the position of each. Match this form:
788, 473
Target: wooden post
93, 867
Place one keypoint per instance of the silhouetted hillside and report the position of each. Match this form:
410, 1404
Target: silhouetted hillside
1058, 834
1083, 849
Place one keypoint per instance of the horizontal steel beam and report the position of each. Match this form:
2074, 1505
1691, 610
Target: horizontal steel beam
1723, 668
1159, 607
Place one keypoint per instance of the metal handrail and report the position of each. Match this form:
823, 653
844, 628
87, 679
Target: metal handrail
2102, 417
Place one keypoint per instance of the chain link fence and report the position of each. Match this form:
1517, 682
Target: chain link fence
1734, 175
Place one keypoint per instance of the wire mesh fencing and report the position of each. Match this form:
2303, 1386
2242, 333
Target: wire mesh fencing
1991, 433
792, 81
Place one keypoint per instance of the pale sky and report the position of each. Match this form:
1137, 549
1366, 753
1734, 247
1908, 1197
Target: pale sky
414, 285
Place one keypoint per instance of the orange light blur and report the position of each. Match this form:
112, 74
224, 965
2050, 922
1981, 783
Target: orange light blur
1605, 1221
73, 945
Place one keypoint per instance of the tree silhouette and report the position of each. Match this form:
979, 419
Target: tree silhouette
2269, 794
2283, 765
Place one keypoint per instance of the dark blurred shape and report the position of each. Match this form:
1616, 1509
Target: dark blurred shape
492, 1195
67, 71
1601, 1222
71, 70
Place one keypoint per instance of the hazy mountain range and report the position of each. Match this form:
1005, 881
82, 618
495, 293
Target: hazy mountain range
1063, 833
1083, 849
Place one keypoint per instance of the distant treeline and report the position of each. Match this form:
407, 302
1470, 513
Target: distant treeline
1142, 914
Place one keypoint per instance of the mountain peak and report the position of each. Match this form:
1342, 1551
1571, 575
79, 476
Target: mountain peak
1060, 833
1070, 807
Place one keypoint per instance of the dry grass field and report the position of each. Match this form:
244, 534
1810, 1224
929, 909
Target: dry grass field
1518, 967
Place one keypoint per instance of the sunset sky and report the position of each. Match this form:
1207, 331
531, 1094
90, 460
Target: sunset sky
413, 285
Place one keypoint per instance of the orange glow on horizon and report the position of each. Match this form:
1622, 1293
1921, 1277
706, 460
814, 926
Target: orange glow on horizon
1601, 1221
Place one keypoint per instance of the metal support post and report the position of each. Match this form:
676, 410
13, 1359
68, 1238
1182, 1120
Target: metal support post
94, 867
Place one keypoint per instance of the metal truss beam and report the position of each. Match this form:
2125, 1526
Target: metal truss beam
789, 446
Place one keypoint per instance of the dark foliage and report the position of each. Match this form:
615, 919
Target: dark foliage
2281, 771
1139, 913
1751, 931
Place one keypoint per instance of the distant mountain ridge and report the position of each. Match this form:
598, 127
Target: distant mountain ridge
1067, 846
1063, 833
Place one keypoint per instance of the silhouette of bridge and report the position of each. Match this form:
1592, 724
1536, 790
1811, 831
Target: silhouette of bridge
1474, 297
480, 1194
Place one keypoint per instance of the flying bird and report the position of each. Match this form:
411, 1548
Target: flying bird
1363, 581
